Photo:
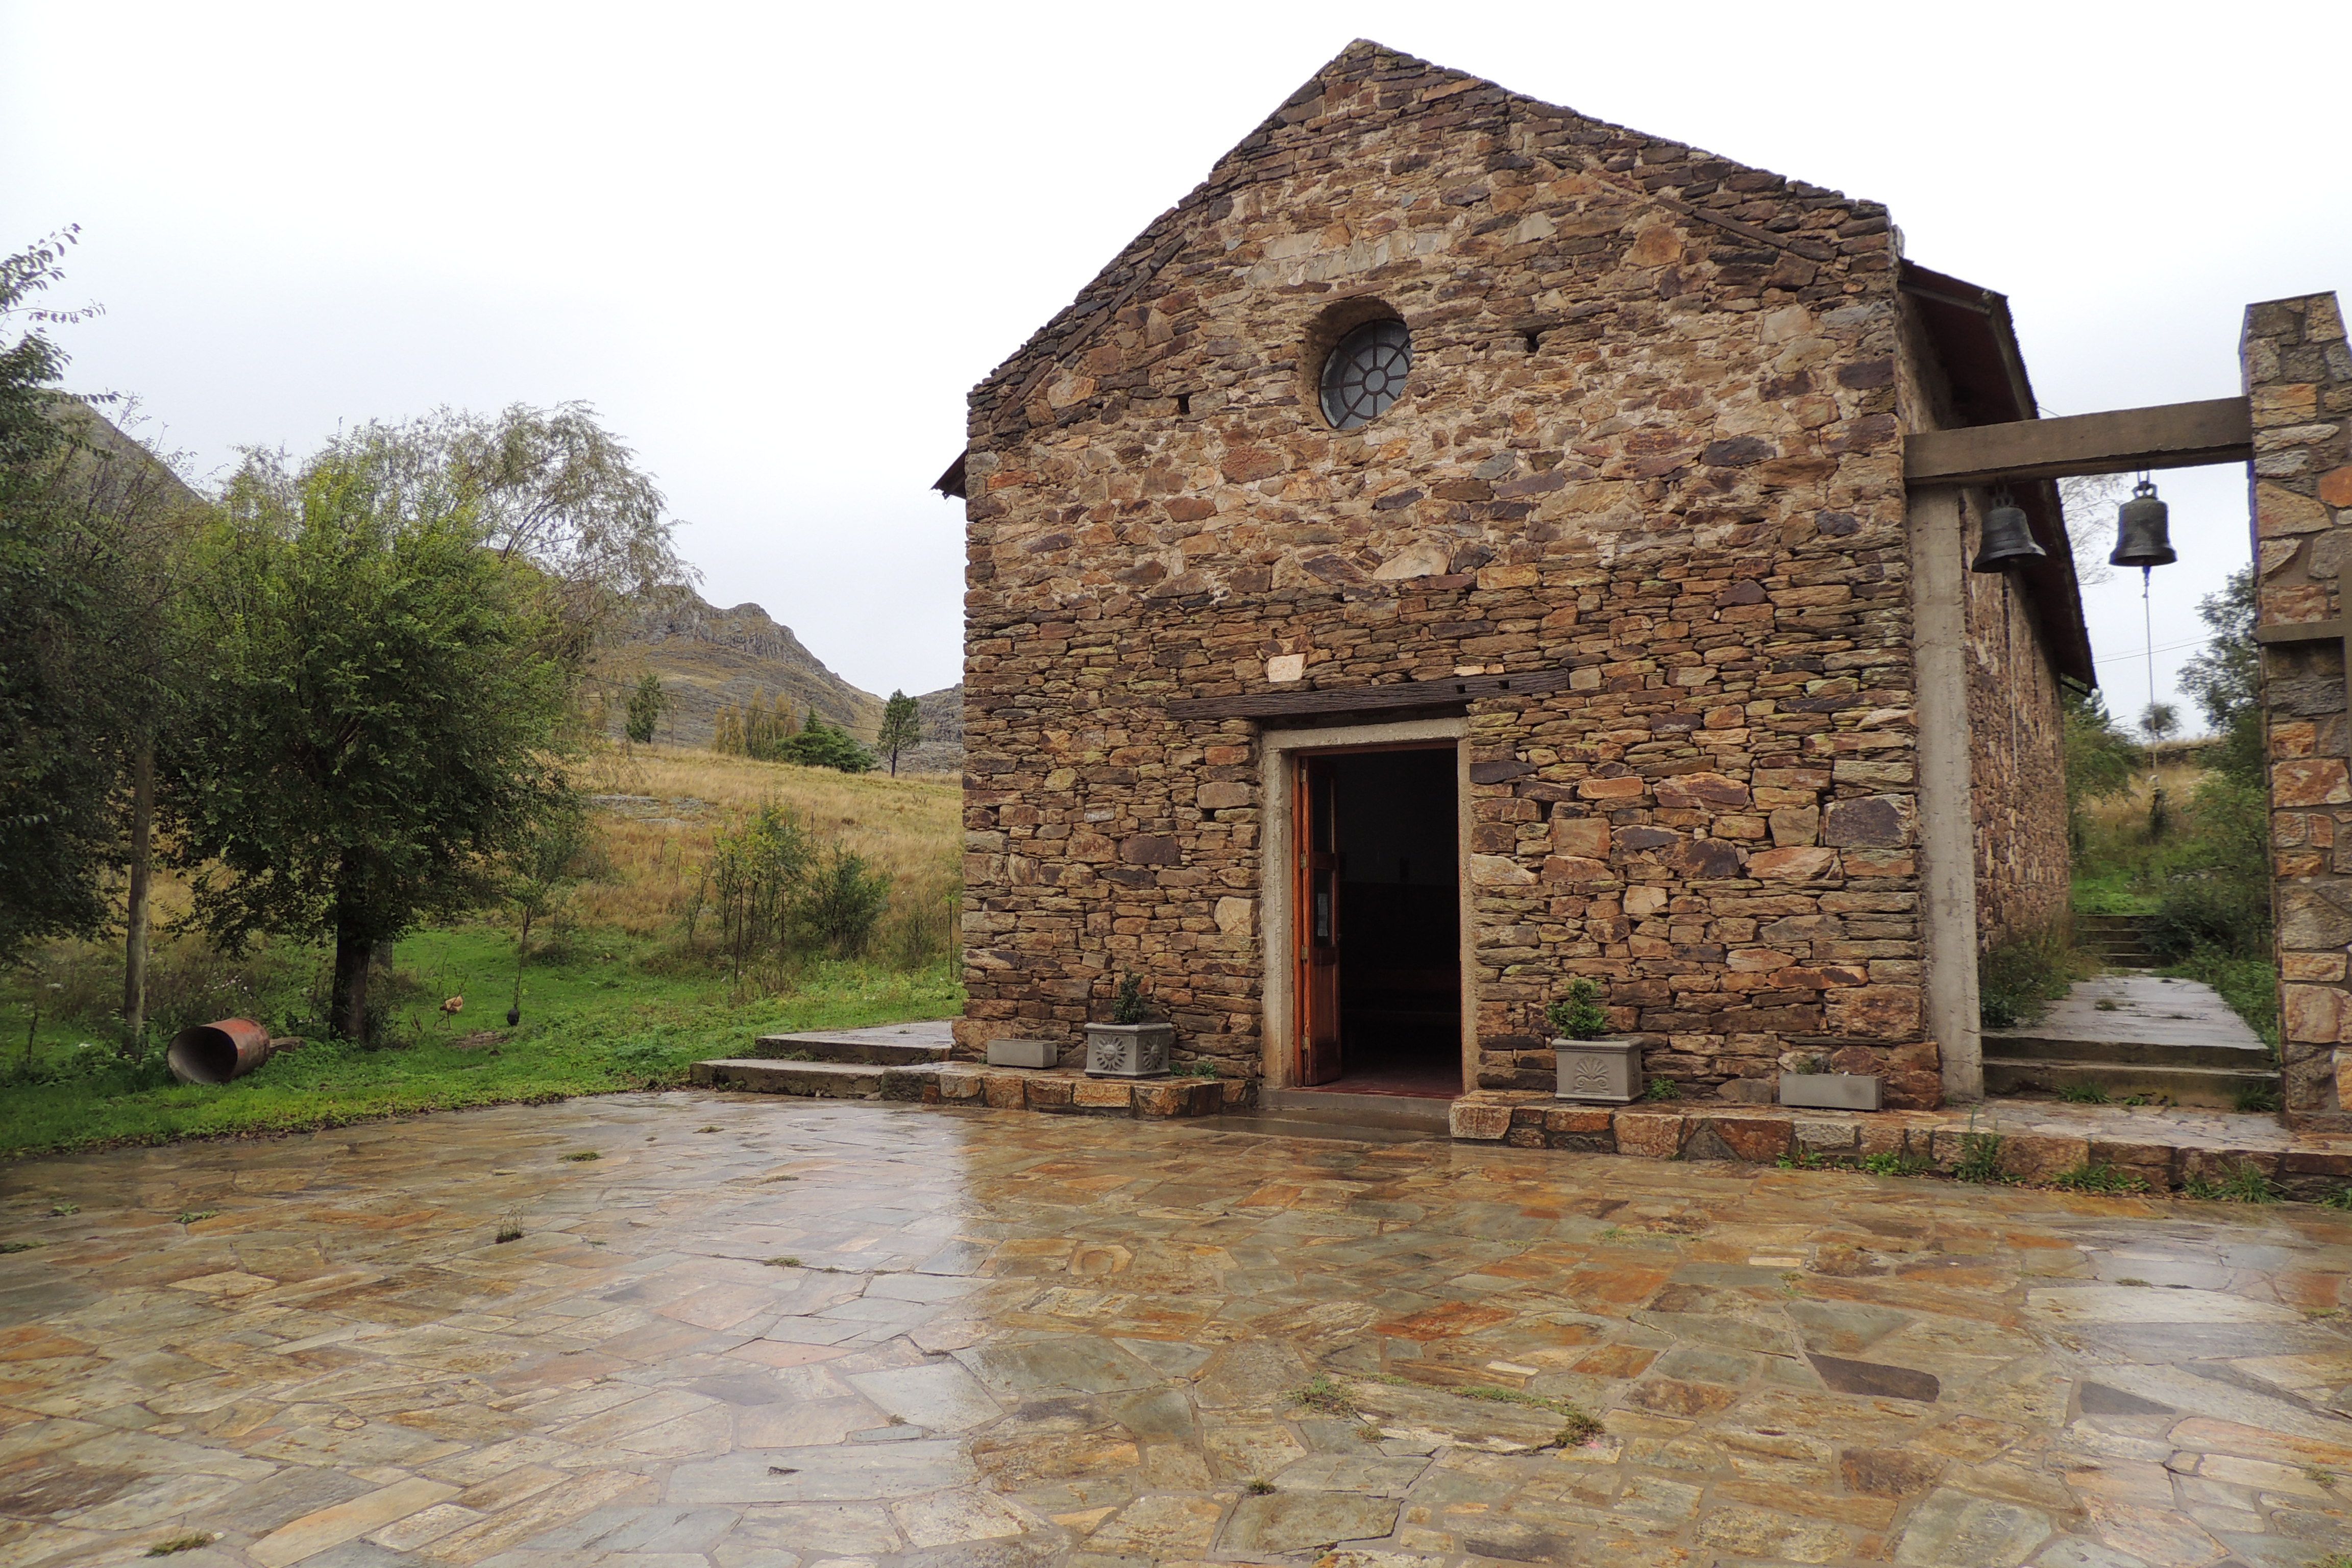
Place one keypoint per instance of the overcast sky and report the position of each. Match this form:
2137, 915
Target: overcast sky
776, 245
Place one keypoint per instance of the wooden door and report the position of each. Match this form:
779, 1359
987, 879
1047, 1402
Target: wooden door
1315, 821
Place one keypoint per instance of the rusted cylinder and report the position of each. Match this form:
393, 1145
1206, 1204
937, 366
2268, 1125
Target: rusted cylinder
216, 1053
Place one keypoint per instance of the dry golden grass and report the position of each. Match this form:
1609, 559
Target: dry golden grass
2178, 773
653, 851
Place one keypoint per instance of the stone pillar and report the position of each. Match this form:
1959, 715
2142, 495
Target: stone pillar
2298, 379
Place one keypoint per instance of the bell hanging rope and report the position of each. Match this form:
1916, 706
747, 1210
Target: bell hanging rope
2007, 538
2142, 531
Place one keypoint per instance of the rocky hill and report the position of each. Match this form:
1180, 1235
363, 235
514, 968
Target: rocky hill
707, 657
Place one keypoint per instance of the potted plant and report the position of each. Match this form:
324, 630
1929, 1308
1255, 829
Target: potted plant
1131, 1045
1592, 1066
1806, 1081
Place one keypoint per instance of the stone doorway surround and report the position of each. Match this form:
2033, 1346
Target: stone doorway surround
1278, 751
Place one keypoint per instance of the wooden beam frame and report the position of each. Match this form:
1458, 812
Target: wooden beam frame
2122, 441
1394, 696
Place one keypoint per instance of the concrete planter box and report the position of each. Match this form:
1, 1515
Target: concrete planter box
1830, 1090
1607, 1072
1022, 1054
1129, 1051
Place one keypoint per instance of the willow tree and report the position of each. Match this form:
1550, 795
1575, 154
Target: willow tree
393, 633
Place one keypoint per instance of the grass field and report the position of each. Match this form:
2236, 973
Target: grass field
614, 998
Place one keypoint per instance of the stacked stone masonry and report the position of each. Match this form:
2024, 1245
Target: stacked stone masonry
2298, 380
1651, 436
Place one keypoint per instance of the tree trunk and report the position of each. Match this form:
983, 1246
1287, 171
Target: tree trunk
134, 942
353, 961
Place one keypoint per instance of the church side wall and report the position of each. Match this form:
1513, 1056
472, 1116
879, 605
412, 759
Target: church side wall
1660, 453
2017, 766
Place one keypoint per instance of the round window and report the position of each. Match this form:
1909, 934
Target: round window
1366, 373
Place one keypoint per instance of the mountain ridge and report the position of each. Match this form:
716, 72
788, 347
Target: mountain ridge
707, 657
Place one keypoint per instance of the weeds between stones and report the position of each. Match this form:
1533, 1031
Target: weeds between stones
1980, 1157
1889, 1163
510, 1229
1579, 1429
1320, 1393
2258, 1097
2246, 1184
2081, 1094
194, 1542
2133, 1281
190, 1216
59, 1211
706, 1129
1662, 1089
2341, 1198
1259, 1488
784, 1263
578, 1155
1798, 1158
18, 1246
2320, 1477
2090, 1177
2107, 1005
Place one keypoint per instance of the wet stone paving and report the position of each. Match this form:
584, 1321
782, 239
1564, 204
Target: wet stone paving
770, 1333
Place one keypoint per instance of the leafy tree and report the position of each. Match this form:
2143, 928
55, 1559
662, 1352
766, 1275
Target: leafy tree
2100, 759
377, 722
902, 728
88, 523
2226, 678
821, 745
647, 703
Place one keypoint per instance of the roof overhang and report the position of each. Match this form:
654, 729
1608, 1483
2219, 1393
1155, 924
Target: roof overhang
1975, 345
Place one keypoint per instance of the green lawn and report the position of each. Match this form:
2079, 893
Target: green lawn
595, 1021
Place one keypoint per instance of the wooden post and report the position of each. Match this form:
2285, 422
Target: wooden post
134, 920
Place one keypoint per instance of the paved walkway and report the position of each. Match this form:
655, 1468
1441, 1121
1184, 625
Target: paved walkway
2144, 1009
763, 1333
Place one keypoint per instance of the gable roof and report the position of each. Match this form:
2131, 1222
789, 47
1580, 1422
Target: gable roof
1974, 342
1754, 204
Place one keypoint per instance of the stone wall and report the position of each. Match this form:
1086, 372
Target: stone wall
2298, 378
1651, 436
2018, 774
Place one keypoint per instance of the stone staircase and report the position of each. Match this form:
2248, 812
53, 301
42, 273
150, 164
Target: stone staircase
893, 1061
2117, 941
2166, 1041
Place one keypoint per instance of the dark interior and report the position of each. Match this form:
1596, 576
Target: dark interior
1400, 931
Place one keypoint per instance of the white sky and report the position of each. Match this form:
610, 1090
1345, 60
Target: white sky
775, 245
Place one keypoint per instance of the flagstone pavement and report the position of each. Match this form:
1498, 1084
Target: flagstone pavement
771, 1333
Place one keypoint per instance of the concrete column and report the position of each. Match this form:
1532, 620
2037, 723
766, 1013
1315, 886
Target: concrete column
2298, 380
1948, 864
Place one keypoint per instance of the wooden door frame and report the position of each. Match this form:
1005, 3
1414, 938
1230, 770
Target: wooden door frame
1279, 750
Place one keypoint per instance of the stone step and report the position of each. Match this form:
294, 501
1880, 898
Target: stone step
851, 1049
2025, 1045
818, 1080
2213, 1087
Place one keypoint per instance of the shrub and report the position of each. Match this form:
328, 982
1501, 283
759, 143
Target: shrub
1129, 1006
2020, 978
1580, 1016
840, 899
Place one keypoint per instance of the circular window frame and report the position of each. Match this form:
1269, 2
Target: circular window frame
1325, 335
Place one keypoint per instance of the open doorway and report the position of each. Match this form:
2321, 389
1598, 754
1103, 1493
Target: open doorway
1378, 922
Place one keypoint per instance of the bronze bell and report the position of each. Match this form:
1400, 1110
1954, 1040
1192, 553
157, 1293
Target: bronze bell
2142, 531
2008, 537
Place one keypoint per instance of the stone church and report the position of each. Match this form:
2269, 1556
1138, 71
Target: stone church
1462, 547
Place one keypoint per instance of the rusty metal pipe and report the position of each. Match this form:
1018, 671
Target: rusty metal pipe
216, 1053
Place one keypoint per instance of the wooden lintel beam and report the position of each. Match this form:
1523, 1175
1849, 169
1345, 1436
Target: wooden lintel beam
1389, 697
2121, 441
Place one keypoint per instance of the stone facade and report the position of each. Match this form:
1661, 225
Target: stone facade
2298, 380
1652, 437
2017, 727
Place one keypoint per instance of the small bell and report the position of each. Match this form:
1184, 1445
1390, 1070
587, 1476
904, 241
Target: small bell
2142, 531
2007, 538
